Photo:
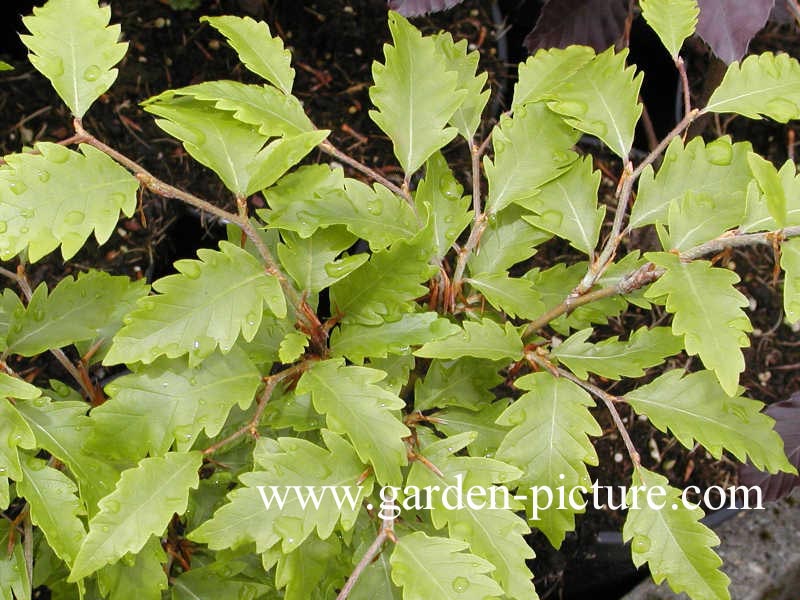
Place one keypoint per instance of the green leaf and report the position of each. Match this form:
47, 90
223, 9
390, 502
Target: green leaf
62, 428
602, 99
76, 310
707, 310
55, 508
170, 402
493, 531
506, 241
4, 66
12, 387
673, 542
765, 84
292, 347
207, 304
261, 53
304, 571
614, 359
484, 339
424, 566
73, 46
312, 261
513, 295
464, 382
10, 308
387, 284
758, 217
449, 209
220, 579
488, 434
567, 206
137, 576
549, 441
254, 514
672, 20
543, 73
718, 170
14, 582
416, 94
790, 263
695, 407
353, 405
275, 159
530, 149
15, 433
357, 341
142, 504
697, 218
771, 185
467, 117
59, 197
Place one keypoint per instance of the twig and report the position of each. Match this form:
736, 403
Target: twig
386, 532
687, 98
329, 148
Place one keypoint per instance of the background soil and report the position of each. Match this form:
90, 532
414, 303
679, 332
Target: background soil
334, 43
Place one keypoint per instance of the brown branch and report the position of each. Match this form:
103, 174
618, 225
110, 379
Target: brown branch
687, 98
386, 532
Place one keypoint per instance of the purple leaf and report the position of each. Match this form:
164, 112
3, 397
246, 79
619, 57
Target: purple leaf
787, 424
595, 23
729, 25
414, 8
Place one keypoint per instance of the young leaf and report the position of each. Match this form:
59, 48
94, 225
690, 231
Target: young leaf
14, 582
771, 185
136, 576
506, 241
567, 206
790, 263
602, 99
424, 565
261, 53
355, 406
15, 433
142, 504
766, 84
512, 295
59, 197
728, 27
72, 44
544, 72
530, 149
292, 347
467, 117
707, 310
312, 261
758, 217
673, 542
614, 359
718, 170
76, 310
4, 66
254, 514
549, 441
357, 341
55, 508
416, 95
464, 382
695, 407
170, 402
672, 20
207, 304
483, 339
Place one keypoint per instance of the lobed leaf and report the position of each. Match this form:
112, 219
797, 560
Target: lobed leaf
464, 382
515, 296
207, 304
59, 197
14, 582
790, 263
507, 240
136, 576
483, 339
481, 424
707, 311
771, 186
672, 20
697, 218
16, 434
72, 44
695, 407
543, 73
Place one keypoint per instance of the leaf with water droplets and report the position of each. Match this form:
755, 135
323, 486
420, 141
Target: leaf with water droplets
225, 298
141, 505
790, 263
695, 407
437, 567
673, 542
14, 433
71, 44
82, 193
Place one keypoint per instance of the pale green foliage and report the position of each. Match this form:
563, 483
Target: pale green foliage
713, 330
4, 66
462, 382
137, 576
758, 215
765, 84
513, 295
549, 438
672, 20
416, 93
425, 565
73, 46
257, 49
695, 407
614, 359
209, 303
17, 434
790, 263
673, 543
59, 197
771, 186
14, 582
484, 339
544, 72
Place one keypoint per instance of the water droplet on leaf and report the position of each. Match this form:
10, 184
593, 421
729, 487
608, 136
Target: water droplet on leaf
74, 217
640, 544
460, 585
91, 73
